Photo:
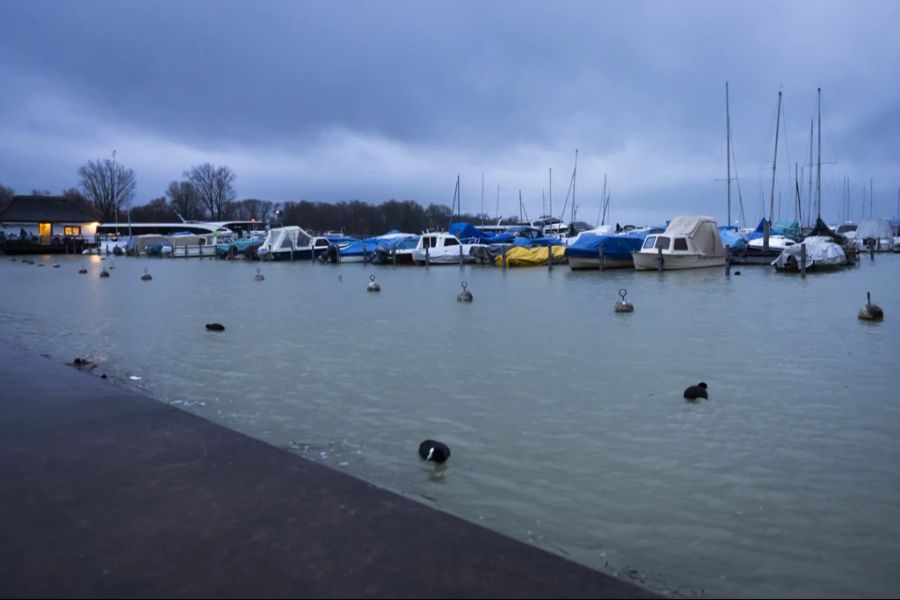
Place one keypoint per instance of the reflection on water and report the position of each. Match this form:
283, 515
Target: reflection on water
565, 419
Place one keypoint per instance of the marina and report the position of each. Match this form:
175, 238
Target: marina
780, 484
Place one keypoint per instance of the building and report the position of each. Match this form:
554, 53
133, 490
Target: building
45, 224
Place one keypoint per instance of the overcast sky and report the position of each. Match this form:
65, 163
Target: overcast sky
376, 100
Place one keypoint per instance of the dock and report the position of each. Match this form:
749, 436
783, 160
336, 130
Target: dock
105, 492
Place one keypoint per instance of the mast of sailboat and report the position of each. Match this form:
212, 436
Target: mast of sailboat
574, 179
871, 213
520, 206
810, 190
898, 203
482, 199
498, 205
728, 151
550, 214
799, 216
768, 225
819, 161
603, 204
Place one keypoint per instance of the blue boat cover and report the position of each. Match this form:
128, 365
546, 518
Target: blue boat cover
466, 232
731, 238
617, 246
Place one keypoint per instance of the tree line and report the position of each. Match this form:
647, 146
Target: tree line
106, 189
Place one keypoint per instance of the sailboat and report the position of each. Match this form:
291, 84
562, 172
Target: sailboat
766, 243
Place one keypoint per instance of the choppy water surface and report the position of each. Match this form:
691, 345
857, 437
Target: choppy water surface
565, 420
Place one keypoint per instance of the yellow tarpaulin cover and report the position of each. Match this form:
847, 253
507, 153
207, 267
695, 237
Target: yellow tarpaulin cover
519, 256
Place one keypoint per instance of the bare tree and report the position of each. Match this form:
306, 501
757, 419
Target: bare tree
183, 199
6, 193
214, 186
108, 185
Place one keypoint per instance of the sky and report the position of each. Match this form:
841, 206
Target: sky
357, 100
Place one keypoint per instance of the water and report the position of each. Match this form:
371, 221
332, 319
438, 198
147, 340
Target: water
566, 421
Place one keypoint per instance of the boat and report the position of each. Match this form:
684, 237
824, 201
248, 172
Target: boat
393, 241
876, 233
604, 248
821, 254
441, 249
689, 242
532, 256
292, 243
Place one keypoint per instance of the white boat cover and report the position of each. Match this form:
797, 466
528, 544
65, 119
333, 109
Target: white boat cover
876, 229
285, 238
820, 250
703, 231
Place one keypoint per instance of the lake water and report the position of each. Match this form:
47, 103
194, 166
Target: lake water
565, 420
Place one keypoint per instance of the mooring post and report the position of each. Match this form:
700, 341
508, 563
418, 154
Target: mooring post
602, 258
659, 255
503, 258
727, 263
802, 260
549, 256
871, 251
427, 252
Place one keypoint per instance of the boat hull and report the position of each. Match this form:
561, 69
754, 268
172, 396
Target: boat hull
649, 261
583, 263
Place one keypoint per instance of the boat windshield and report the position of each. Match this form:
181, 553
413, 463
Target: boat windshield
648, 243
662, 243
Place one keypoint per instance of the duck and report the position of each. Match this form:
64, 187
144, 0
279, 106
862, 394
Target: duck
695, 392
434, 451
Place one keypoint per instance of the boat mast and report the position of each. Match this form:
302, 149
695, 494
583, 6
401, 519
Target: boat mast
550, 214
774, 162
870, 200
482, 199
574, 179
728, 151
819, 162
809, 195
498, 205
799, 212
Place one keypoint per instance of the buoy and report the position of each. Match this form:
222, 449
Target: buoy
434, 451
465, 295
870, 312
56, 266
623, 306
737, 272
373, 287
259, 275
215, 327
104, 273
146, 276
82, 270
695, 392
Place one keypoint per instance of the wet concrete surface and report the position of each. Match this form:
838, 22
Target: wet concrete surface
108, 493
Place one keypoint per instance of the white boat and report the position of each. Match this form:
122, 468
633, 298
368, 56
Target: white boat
821, 253
441, 249
776, 242
687, 243
292, 243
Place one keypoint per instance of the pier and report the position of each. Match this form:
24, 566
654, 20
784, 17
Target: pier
108, 493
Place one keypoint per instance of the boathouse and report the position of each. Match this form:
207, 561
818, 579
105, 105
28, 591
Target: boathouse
44, 224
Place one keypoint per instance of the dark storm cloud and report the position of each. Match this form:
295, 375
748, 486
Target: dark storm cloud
378, 99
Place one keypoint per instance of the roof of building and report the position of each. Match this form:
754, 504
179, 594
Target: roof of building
26, 209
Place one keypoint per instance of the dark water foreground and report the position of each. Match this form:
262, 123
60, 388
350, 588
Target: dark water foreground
107, 493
